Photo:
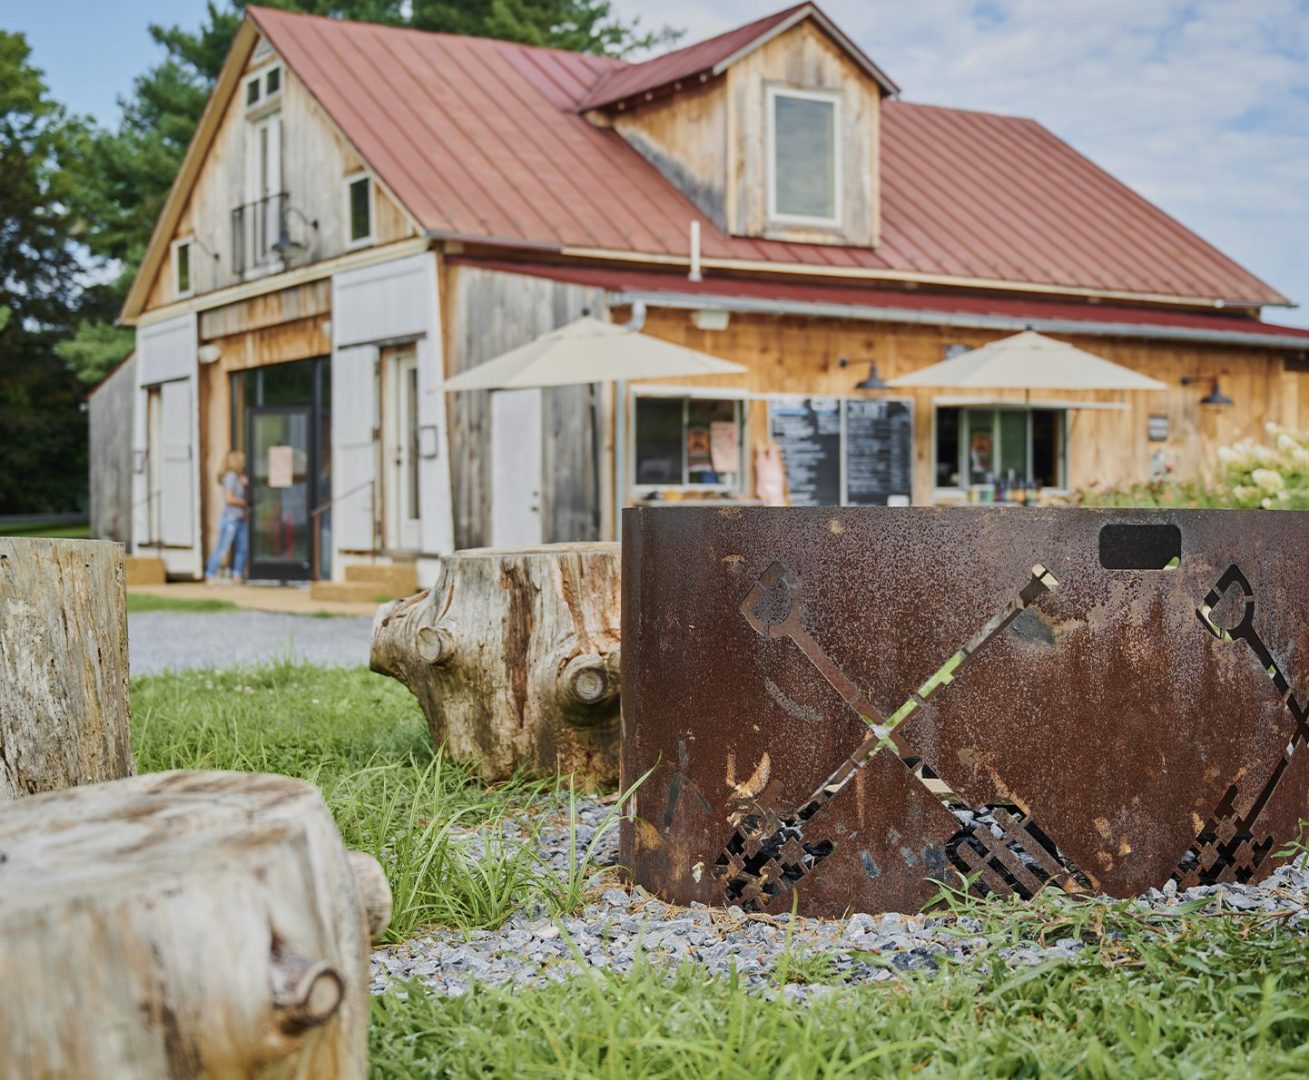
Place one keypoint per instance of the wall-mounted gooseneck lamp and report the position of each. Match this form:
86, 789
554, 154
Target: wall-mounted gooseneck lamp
871, 381
1215, 395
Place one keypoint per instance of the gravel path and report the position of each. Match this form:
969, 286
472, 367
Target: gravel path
174, 640
532, 948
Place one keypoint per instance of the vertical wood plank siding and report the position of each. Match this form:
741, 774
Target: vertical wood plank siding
488, 313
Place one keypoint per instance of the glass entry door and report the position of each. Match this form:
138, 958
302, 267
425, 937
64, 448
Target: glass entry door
282, 466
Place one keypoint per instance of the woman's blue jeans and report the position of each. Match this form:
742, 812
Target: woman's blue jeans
231, 531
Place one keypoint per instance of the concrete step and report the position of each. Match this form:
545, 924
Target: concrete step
395, 579
351, 592
144, 570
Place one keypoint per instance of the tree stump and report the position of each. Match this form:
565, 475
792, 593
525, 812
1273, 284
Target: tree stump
514, 657
181, 924
64, 713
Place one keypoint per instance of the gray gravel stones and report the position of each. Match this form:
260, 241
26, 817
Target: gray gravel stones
806, 955
175, 640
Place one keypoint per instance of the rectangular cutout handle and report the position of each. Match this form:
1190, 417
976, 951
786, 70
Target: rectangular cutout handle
1140, 547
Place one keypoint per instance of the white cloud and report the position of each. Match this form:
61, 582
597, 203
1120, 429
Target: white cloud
1200, 105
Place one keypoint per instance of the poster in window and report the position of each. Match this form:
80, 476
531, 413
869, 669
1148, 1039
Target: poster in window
879, 449
281, 466
724, 446
808, 431
698, 453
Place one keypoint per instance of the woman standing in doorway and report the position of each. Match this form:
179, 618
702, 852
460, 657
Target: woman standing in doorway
231, 525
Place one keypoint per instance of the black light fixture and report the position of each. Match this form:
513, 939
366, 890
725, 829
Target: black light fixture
1215, 395
871, 381
285, 247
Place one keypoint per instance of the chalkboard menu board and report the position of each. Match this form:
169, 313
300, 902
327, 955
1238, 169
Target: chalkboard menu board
808, 431
879, 448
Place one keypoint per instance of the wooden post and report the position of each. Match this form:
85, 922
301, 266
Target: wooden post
183, 924
64, 712
514, 657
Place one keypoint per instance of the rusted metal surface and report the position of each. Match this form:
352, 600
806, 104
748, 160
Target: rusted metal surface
850, 704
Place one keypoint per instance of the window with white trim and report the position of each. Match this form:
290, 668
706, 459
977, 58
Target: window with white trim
804, 157
183, 286
263, 87
359, 209
686, 442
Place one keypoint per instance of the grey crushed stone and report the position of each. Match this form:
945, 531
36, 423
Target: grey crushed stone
178, 640
532, 948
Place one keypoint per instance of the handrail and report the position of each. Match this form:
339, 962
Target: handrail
315, 543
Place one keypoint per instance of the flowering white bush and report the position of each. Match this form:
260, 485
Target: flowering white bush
1269, 476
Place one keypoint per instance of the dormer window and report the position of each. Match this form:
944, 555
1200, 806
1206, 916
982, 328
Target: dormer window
804, 157
359, 209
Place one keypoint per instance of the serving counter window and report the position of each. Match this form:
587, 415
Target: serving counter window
1000, 449
689, 443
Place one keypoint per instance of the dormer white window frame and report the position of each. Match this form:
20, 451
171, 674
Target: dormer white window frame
177, 245
264, 98
833, 98
346, 184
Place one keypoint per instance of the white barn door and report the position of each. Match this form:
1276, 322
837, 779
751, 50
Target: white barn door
177, 465
354, 449
516, 468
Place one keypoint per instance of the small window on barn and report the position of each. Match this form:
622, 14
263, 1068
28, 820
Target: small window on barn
689, 443
804, 157
359, 209
182, 268
252, 92
273, 82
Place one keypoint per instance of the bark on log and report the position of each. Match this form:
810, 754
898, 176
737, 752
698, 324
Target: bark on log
514, 657
180, 924
64, 713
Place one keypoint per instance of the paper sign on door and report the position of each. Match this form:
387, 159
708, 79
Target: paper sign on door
281, 466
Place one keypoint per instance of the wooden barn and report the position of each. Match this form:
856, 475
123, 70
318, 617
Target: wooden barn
366, 211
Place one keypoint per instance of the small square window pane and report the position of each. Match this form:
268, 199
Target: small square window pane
252, 92
273, 82
361, 216
183, 268
804, 149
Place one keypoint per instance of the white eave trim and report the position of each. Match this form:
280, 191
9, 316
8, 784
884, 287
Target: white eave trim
867, 313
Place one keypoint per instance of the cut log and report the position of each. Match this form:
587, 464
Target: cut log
64, 713
181, 924
514, 657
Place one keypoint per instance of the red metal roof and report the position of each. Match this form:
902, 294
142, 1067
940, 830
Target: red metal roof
974, 309
481, 140
707, 57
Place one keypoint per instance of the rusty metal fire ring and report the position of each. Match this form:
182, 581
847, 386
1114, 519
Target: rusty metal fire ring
842, 707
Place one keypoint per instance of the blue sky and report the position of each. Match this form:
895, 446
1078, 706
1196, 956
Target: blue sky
1201, 105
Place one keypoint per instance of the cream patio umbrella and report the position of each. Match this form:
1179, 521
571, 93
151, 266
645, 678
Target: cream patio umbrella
588, 350
1028, 361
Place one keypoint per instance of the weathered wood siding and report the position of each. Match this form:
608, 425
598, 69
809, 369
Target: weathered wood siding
109, 413
790, 354
711, 141
488, 313
685, 138
803, 58
316, 159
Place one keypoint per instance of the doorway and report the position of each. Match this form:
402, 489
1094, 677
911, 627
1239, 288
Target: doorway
281, 419
401, 491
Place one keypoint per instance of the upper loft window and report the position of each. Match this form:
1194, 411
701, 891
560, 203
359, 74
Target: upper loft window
359, 209
182, 285
804, 157
263, 87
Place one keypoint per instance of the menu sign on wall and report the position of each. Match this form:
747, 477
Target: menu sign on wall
855, 451
809, 434
879, 447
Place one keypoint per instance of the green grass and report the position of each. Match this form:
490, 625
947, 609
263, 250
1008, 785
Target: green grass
1185, 994
1180, 996
74, 530
361, 738
138, 602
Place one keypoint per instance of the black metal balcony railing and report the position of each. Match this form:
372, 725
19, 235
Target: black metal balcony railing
256, 227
